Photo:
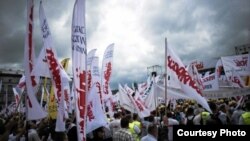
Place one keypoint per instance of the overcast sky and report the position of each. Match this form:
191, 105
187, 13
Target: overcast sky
195, 29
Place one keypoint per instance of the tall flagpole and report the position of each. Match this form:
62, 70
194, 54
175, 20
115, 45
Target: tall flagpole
166, 45
6, 98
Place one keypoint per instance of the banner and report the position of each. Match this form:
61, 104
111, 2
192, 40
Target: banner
79, 63
236, 63
210, 82
57, 73
125, 101
34, 110
107, 65
90, 57
95, 115
188, 86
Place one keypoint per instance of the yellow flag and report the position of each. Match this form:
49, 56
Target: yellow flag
52, 108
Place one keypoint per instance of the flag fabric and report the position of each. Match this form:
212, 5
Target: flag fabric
17, 97
210, 82
55, 69
125, 101
95, 115
235, 79
34, 110
90, 57
238, 63
52, 106
138, 103
95, 73
107, 65
66, 88
193, 72
79, 63
175, 65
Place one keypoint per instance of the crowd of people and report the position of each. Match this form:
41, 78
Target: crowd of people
126, 126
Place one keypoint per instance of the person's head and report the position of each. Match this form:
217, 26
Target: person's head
190, 111
153, 130
60, 136
135, 116
213, 107
125, 121
247, 105
223, 108
165, 120
99, 133
117, 115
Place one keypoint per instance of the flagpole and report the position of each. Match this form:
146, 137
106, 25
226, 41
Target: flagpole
166, 45
6, 98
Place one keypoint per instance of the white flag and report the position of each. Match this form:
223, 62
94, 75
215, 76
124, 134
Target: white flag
138, 103
125, 101
95, 115
90, 57
79, 63
175, 65
107, 65
55, 69
34, 110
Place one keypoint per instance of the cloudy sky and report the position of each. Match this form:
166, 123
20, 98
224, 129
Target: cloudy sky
195, 29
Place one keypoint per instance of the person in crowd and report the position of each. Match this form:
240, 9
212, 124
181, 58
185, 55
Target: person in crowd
115, 125
223, 116
99, 135
124, 134
213, 118
71, 130
32, 131
152, 133
189, 120
145, 123
171, 123
163, 129
135, 127
235, 118
245, 117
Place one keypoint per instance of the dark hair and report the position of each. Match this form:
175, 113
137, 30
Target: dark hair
152, 128
125, 121
247, 105
213, 106
135, 116
190, 111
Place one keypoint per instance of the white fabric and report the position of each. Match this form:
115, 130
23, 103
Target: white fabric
175, 65
34, 110
148, 137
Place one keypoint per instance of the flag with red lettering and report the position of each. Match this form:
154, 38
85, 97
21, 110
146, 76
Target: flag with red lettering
125, 102
138, 103
95, 115
210, 83
188, 86
55, 69
235, 79
95, 73
34, 110
238, 63
193, 72
107, 64
90, 57
79, 63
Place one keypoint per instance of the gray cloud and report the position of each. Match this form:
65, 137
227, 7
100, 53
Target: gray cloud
196, 29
